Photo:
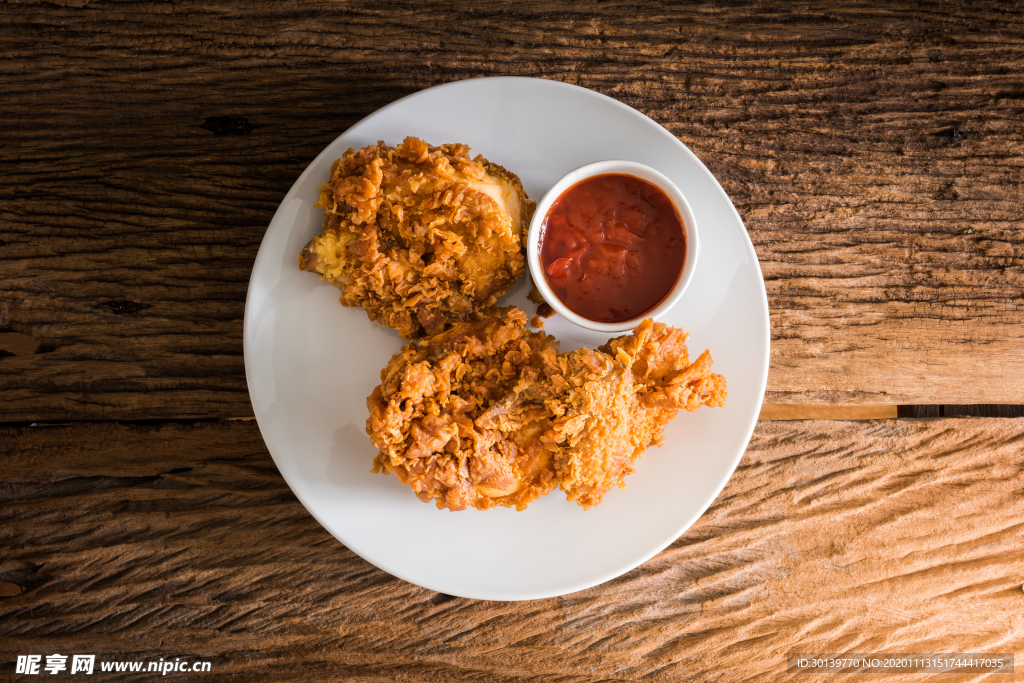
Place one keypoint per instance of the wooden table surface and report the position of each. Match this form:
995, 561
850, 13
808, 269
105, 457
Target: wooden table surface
876, 157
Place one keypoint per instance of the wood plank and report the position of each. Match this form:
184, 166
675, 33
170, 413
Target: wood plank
799, 411
135, 543
995, 410
875, 155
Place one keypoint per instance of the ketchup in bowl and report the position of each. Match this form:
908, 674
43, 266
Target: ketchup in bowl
613, 247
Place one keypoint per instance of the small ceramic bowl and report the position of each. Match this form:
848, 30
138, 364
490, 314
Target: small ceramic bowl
535, 238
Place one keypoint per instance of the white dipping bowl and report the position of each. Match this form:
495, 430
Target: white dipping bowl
535, 238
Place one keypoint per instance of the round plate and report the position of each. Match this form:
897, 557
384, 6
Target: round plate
311, 362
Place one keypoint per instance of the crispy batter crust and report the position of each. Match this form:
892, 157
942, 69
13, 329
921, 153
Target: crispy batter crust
425, 415
489, 413
419, 236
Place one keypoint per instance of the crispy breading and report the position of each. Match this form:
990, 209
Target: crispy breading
425, 415
489, 413
419, 236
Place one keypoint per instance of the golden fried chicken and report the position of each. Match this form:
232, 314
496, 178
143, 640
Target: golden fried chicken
489, 413
419, 236
425, 415
632, 387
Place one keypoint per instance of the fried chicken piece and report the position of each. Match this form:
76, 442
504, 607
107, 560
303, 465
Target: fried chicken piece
634, 385
490, 413
425, 415
419, 236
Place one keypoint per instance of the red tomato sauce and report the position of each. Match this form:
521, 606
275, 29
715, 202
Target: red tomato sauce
613, 247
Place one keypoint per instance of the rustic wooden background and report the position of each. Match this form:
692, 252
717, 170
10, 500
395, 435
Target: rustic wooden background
141, 542
875, 153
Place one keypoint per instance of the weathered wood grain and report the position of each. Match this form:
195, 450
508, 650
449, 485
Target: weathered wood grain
875, 154
982, 410
802, 411
135, 543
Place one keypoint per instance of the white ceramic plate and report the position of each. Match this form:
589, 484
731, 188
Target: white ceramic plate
311, 363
